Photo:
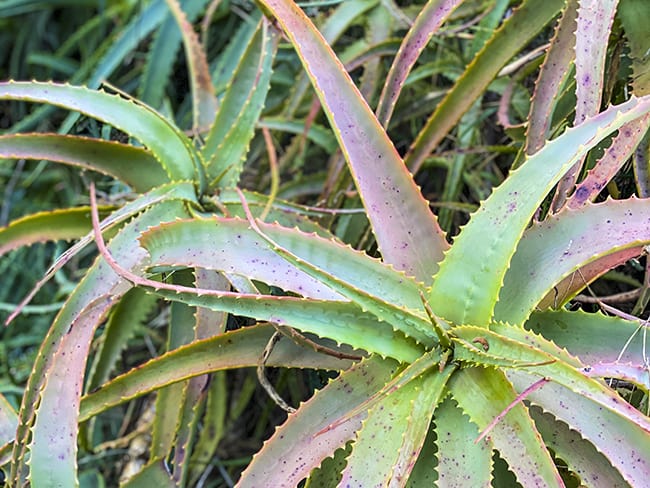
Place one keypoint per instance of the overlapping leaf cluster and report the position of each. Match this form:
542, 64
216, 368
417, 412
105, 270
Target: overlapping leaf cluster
455, 360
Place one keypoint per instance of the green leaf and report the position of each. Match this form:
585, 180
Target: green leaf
132, 165
456, 436
592, 337
467, 286
392, 435
170, 147
483, 394
64, 224
8, 424
542, 364
234, 125
400, 218
241, 348
232, 246
298, 445
154, 474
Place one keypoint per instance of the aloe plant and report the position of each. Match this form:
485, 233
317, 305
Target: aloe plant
444, 352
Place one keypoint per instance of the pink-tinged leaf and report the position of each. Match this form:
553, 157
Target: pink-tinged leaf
53, 448
241, 348
622, 147
296, 447
592, 337
594, 24
556, 247
623, 442
430, 18
566, 289
582, 459
204, 101
100, 281
170, 147
483, 394
634, 373
182, 190
400, 217
132, 165
552, 77
63, 224
516, 31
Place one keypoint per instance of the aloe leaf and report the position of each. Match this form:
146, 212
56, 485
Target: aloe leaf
336, 23
392, 435
340, 321
581, 458
229, 245
219, 243
568, 287
214, 426
241, 348
109, 56
400, 218
298, 446
204, 101
401, 318
552, 76
170, 147
468, 283
594, 25
524, 23
100, 281
182, 190
623, 146
455, 438
241, 106
316, 133
592, 337
622, 441
63, 224
53, 446
483, 394
554, 248
430, 18
544, 364
132, 165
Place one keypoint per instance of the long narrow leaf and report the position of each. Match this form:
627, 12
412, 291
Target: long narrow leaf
400, 218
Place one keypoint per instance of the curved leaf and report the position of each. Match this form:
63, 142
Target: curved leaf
63, 224
132, 165
172, 149
467, 286
400, 217
554, 248
298, 446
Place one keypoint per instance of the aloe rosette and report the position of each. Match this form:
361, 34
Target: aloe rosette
443, 351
